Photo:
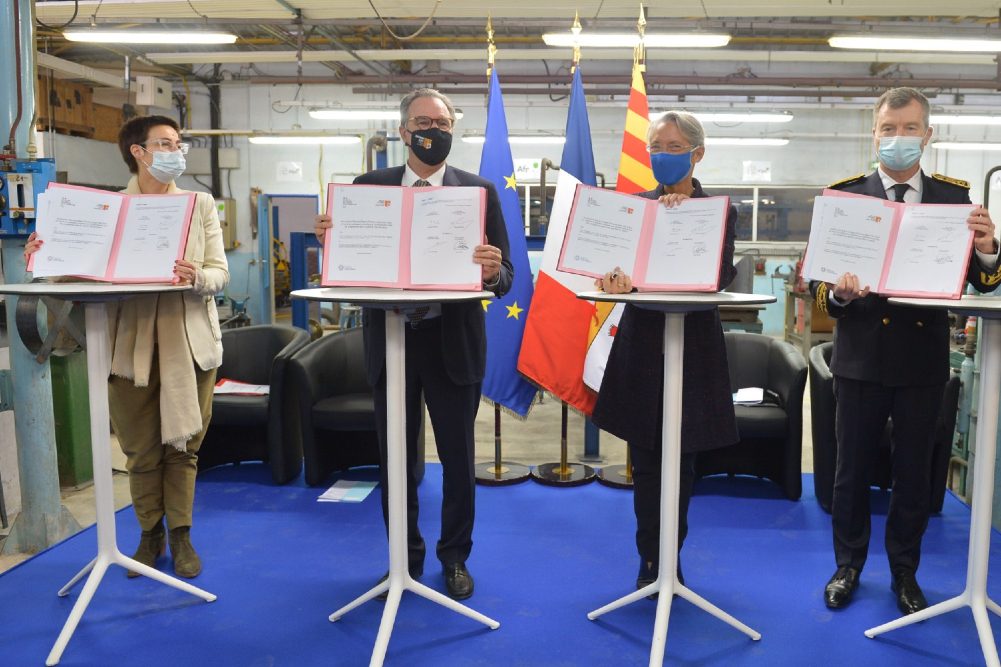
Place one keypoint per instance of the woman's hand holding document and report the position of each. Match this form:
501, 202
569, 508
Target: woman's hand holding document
676, 248
414, 238
110, 236
892, 248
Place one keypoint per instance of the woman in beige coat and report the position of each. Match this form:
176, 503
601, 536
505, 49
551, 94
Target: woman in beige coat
165, 352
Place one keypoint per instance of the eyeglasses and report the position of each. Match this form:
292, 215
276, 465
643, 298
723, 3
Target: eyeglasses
673, 149
169, 146
425, 123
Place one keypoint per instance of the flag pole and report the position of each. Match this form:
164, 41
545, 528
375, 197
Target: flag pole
499, 472
621, 476
565, 473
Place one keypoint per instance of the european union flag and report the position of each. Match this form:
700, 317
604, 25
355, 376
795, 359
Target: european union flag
506, 317
578, 156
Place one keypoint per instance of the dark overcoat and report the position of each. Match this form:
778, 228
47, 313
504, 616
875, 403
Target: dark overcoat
631, 399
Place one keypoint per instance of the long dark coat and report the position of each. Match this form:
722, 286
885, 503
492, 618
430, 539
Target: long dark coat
630, 402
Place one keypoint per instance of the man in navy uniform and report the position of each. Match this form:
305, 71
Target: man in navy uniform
892, 361
445, 345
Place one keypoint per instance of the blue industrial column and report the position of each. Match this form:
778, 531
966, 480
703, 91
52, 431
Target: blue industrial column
43, 520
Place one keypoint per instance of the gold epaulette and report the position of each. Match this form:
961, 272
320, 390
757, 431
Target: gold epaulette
821, 298
952, 181
848, 181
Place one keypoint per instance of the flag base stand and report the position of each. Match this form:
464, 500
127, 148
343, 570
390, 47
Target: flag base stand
492, 474
619, 477
556, 474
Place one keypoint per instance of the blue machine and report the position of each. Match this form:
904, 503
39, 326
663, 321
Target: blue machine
21, 181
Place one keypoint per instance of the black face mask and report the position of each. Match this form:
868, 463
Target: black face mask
430, 146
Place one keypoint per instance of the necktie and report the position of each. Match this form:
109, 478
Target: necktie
898, 191
418, 313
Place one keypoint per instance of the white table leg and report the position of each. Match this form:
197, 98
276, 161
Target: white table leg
98, 364
975, 593
667, 583
399, 575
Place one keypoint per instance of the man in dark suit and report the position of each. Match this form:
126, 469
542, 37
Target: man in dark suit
445, 346
892, 361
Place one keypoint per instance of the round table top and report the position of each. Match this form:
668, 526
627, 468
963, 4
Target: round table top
978, 305
388, 296
89, 291
680, 301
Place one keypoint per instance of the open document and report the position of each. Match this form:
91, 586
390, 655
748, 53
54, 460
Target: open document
897, 249
661, 248
416, 238
111, 236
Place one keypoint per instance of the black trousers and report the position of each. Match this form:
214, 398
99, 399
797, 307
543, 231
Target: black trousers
452, 409
646, 499
862, 411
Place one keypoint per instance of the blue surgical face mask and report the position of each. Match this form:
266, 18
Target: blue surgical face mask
899, 153
670, 168
166, 166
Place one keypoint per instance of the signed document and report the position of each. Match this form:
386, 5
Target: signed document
111, 236
414, 238
897, 249
661, 248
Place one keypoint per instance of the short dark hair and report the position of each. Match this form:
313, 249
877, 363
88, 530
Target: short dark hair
897, 98
136, 131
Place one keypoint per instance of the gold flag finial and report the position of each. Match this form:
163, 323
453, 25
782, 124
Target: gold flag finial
575, 29
639, 53
491, 47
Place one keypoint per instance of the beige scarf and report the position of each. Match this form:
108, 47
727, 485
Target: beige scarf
157, 321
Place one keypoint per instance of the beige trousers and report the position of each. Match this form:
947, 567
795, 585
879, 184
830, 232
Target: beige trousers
161, 478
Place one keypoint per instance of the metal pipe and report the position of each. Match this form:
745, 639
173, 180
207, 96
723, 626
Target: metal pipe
19, 81
376, 143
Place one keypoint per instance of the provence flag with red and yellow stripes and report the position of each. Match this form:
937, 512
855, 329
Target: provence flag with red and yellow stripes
635, 175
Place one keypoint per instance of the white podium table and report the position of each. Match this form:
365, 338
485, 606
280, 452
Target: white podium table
974, 595
95, 296
674, 305
399, 579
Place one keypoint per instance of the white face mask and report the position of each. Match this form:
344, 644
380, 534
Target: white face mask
166, 166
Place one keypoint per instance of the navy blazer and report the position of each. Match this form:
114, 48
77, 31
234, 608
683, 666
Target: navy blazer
630, 403
463, 332
897, 346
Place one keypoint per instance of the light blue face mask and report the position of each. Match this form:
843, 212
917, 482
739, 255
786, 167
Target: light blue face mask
166, 166
899, 153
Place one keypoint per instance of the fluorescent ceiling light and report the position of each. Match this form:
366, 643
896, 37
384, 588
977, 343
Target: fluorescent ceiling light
742, 117
964, 146
518, 139
161, 36
884, 42
630, 40
745, 141
355, 114
303, 139
951, 119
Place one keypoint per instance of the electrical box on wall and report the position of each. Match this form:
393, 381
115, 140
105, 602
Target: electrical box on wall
227, 219
199, 160
153, 92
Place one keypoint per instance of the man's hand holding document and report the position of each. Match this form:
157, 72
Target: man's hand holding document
111, 236
663, 248
894, 248
413, 238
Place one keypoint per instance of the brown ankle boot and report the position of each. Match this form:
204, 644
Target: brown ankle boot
186, 561
151, 546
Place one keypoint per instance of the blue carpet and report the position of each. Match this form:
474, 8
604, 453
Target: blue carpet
281, 562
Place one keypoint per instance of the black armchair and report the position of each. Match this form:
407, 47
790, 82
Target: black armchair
822, 411
771, 434
335, 407
253, 428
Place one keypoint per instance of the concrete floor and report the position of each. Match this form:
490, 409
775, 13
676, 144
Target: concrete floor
533, 441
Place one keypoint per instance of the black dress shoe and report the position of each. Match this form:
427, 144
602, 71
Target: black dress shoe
839, 590
909, 596
415, 573
458, 581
